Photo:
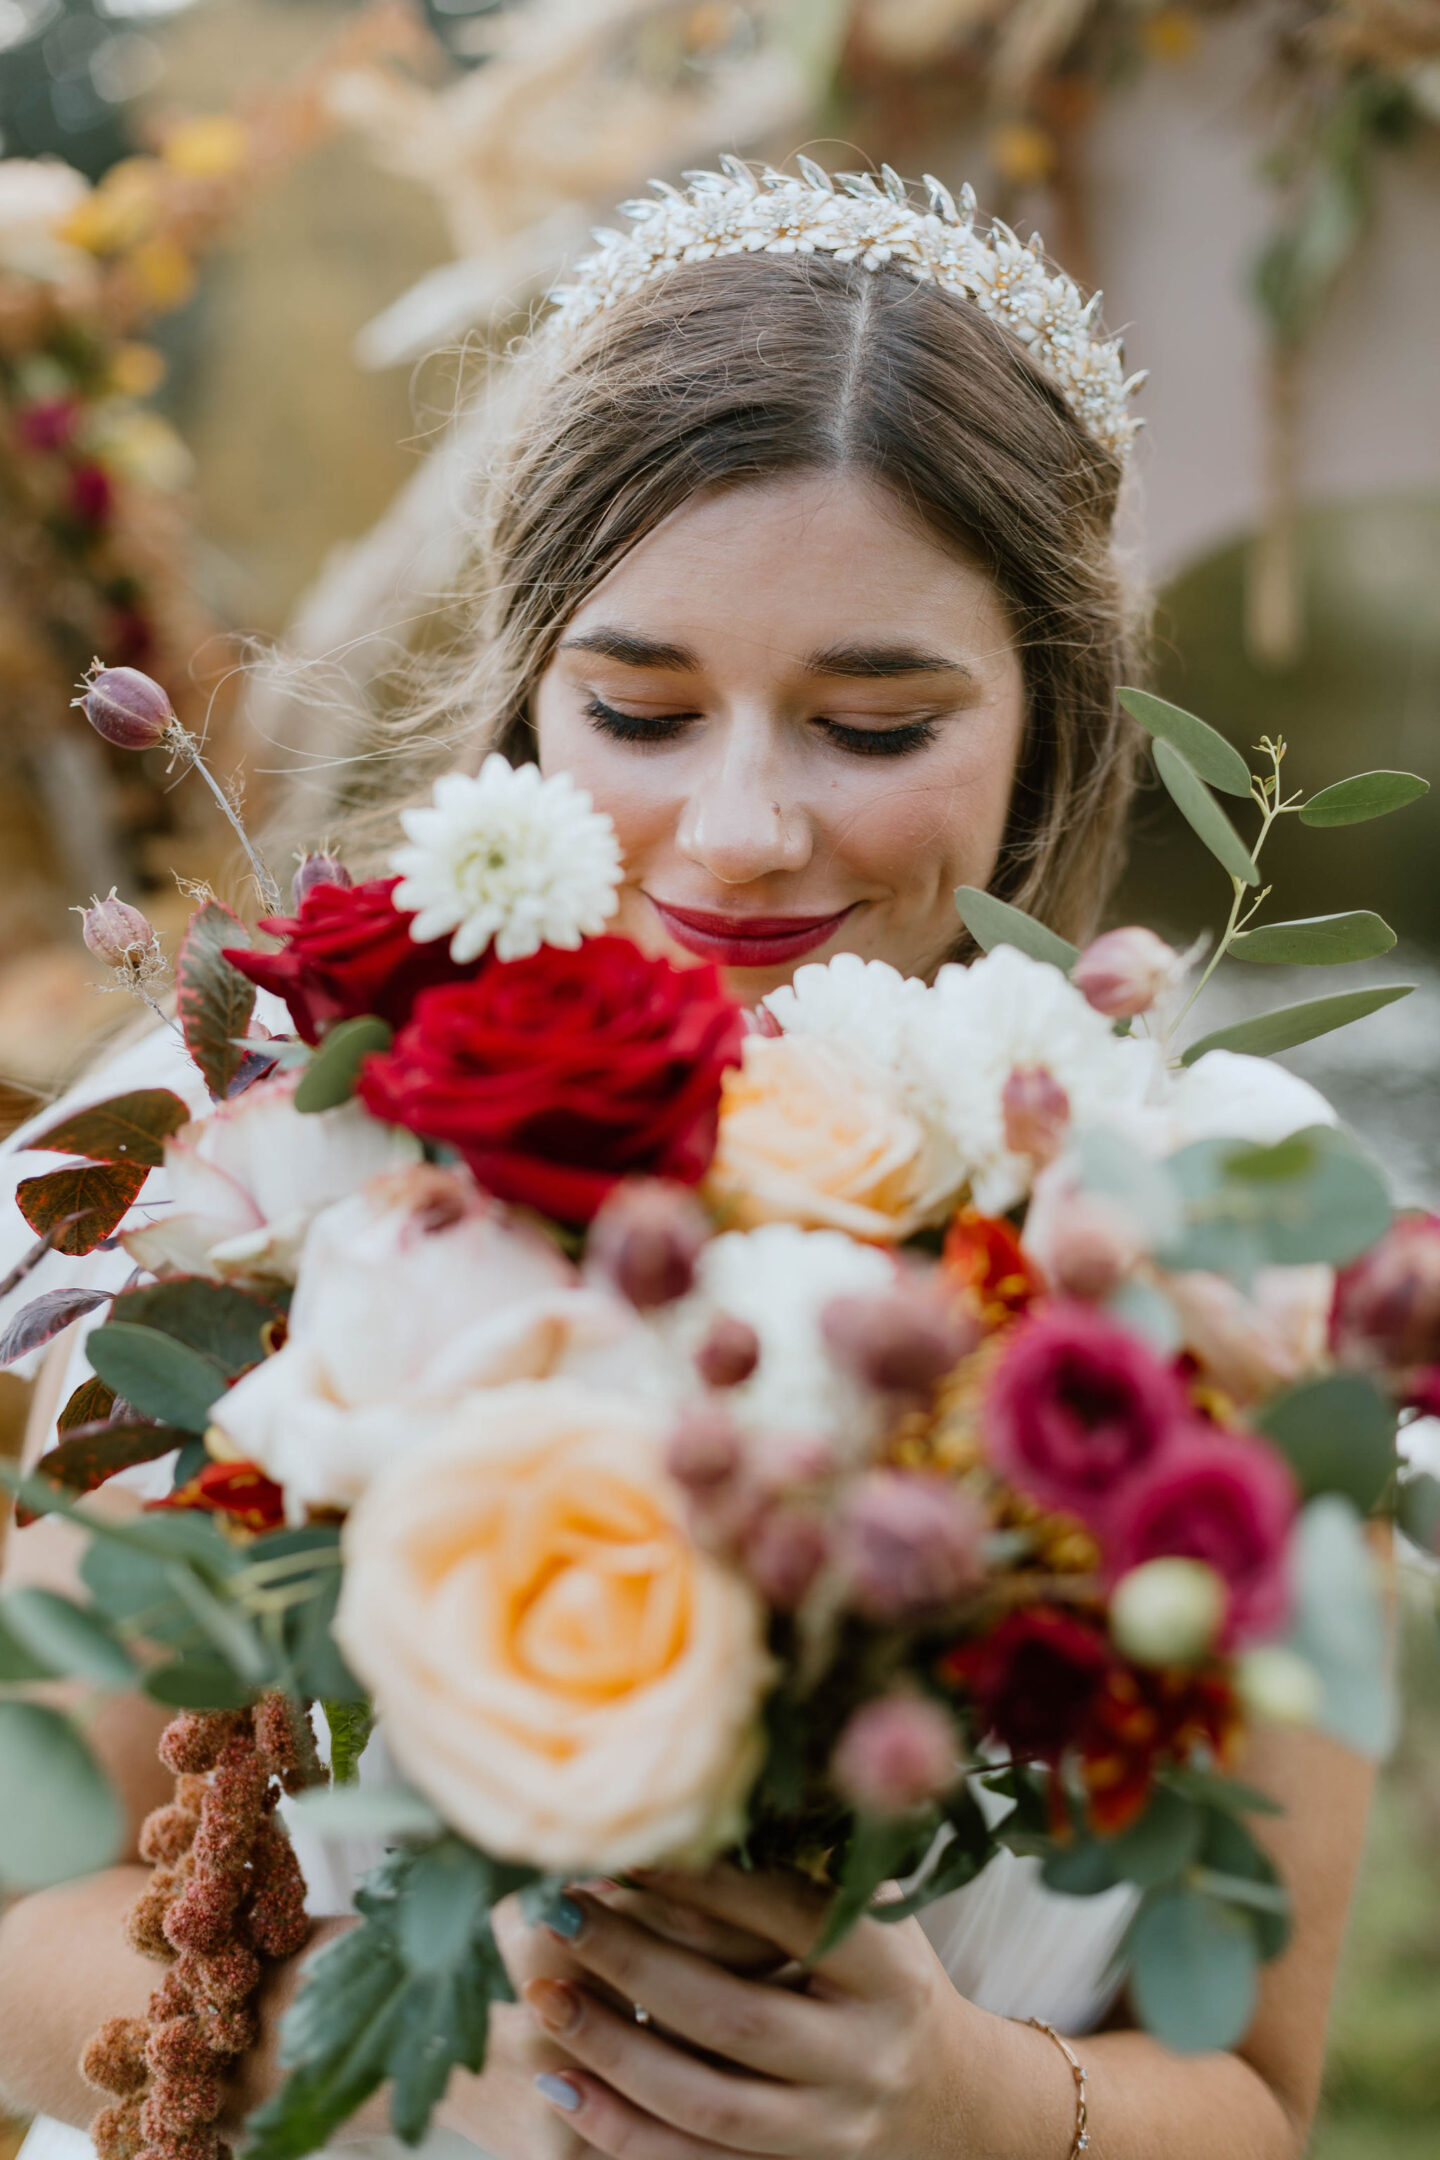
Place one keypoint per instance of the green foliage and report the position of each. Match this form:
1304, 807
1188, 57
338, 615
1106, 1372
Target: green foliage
59, 1815
329, 1078
1364, 796
127, 1129
1203, 814
955, 1863
94, 1453
1193, 1969
221, 1322
993, 922
877, 1852
1269, 1033
1206, 752
214, 1000
160, 1375
405, 1996
82, 1205
1319, 941
199, 1683
67, 1637
1418, 1510
1339, 1626
1314, 1197
350, 1724
1338, 1434
391, 1812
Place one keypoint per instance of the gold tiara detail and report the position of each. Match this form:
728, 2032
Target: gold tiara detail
855, 218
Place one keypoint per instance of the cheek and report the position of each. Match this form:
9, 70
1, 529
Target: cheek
939, 824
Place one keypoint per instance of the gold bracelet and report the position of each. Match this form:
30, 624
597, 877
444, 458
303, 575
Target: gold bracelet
1077, 2071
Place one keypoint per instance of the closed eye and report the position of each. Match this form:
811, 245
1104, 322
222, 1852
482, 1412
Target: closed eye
643, 728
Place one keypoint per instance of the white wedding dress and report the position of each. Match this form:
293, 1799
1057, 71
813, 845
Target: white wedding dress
1007, 1942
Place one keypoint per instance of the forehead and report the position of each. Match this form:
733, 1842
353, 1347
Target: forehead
787, 566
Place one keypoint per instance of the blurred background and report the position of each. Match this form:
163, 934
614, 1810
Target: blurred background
258, 259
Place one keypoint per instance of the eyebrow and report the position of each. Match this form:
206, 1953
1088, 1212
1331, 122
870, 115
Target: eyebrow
863, 663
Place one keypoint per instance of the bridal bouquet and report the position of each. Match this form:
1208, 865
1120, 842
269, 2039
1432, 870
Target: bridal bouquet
854, 1436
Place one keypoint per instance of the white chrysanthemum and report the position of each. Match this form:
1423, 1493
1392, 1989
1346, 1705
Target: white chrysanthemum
1006, 1010
860, 1008
780, 1279
510, 857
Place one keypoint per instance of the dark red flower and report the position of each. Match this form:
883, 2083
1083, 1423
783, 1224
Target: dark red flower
49, 423
1077, 1408
1138, 1722
1034, 1679
1386, 1314
1227, 1500
348, 951
92, 494
240, 1490
987, 1264
557, 1075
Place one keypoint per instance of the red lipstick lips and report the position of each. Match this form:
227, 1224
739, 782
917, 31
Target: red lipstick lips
747, 941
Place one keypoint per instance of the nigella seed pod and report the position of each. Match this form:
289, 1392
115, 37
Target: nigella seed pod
116, 933
646, 1239
1036, 1110
318, 869
127, 708
729, 1354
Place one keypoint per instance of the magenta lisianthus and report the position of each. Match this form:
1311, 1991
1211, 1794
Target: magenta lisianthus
1077, 1409
1227, 1499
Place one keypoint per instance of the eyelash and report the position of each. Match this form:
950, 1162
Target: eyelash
859, 742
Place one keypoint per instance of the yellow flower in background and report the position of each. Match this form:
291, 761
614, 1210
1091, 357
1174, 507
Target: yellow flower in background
1022, 153
1171, 33
207, 149
116, 215
569, 1678
136, 370
164, 273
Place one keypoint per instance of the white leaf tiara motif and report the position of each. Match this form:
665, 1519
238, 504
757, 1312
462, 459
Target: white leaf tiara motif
742, 211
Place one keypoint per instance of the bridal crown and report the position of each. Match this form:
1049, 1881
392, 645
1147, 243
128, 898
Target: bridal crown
855, 218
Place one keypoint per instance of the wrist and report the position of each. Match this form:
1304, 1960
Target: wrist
1023, 2094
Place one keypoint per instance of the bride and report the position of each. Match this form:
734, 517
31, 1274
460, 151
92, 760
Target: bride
801, 560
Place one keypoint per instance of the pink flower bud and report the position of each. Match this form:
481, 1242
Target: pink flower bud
1387, 1303
321, 869
1123, 972
895, 1755
647, 1237
1037, 1113
784, 1553
1091, 1243
910, 1543
129, 709
759, 1020
898, 1344
705, 1451
729, 1353
116, 933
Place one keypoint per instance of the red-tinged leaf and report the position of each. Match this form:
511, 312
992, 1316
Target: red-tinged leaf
91, 1404
127, 1129
44, 1318
90, 1454
89, 1200
213, 999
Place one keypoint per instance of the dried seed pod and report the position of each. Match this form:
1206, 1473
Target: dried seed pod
126, 708
114, 2060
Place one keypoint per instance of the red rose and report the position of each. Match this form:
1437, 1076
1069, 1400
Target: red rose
348, 950
1034, 1680
1226, 1500
557, 1075
1077, 1408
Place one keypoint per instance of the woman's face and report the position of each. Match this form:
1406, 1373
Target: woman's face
804, 716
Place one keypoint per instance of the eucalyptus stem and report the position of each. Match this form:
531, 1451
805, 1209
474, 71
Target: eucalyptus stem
1266, 795
182, 743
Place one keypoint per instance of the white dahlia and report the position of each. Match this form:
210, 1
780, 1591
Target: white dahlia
860, 1008
508, 857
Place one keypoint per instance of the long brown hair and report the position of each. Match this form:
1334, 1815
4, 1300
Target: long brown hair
737, 370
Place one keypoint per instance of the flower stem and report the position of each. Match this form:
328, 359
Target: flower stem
183, 744
1266, 795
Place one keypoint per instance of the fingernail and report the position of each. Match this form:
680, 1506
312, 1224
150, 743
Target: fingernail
596, 1886
558, 2091
565, 1919
556, 2005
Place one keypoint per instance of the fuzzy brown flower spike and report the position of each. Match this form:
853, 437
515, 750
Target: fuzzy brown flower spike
225, 1892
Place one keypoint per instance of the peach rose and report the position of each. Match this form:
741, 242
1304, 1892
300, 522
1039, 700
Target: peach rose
810, 1137
570, 1681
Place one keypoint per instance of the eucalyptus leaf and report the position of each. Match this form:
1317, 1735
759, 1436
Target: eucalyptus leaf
1268, 1033
1193, 1970
1083, 1868
373, 1811
1204, 815
1364, 795
1108, 1163
18, 1663
67, 1638
162, 1377
1316, 941
1338, 1434
1240, 1872
329, 1078
1339, 1625
1203, 749
198, 1683
993, 922
1161, 1844
59, 1815
1417, 1511
222, 1322
1314, 1197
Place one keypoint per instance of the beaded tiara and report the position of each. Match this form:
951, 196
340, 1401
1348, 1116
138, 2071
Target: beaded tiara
854, 218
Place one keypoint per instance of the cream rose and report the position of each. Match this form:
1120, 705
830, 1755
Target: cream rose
570, 1681
810, 1137
411, 1294
1249, 1342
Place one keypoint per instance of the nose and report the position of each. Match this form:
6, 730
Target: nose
744, 817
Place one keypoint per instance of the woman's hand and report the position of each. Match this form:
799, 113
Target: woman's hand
860, 2061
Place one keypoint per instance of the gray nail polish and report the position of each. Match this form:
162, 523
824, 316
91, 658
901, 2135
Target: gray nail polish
565, 1918
557, 2090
